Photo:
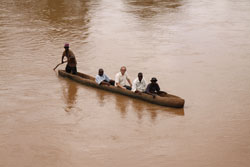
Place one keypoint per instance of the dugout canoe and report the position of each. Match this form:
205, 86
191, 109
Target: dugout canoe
167, 100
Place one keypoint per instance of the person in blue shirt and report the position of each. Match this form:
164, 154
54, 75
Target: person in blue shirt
103, 79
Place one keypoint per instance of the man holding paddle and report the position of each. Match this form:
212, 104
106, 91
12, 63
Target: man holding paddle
71, 65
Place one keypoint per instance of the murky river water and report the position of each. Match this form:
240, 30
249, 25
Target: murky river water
198, 49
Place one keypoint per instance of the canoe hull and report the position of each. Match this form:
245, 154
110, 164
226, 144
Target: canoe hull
168, 101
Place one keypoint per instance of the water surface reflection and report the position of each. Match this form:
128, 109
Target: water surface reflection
101, 97
124, 104
138, 108
70, 95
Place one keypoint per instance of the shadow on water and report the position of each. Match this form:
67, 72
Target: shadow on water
141, 108
122, 104
101, 97
151, 8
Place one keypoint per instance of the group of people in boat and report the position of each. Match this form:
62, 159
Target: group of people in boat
139, 84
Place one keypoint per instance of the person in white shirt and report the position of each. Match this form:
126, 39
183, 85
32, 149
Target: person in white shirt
121, 79
103, 79
139, 84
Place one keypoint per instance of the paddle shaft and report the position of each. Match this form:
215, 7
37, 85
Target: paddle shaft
59, 65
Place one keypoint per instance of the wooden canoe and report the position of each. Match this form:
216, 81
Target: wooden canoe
168, 100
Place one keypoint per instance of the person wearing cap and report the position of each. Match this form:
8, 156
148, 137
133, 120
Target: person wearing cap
153, 88
139, 84
71, 60
103, 79
121, 78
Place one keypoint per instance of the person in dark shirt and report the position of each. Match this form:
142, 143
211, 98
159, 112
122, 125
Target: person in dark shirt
154, 89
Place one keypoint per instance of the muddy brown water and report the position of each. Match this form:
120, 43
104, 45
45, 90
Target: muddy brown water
198, 50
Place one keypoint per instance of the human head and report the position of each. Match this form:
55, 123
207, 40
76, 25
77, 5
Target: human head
153, 80
100, 72
66, 46
123, 70
140, 76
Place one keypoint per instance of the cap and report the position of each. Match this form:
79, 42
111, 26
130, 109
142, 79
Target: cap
153, 79
66, 45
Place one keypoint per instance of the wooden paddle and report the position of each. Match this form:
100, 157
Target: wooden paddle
59, 65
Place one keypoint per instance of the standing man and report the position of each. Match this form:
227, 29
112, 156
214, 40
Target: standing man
121, 78
71, 65
139, 84
103, 79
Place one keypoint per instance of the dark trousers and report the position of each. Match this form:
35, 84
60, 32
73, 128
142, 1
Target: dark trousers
69, 69
127, 87
159, 93
111, 82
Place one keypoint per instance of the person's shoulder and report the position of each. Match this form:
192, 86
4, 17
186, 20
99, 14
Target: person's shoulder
149, 84
71, 52
98, 76
126, 75
135, 80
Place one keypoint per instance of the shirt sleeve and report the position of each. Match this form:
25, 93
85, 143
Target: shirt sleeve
157, 88
98, 79
134, 86
117, 78
106, 78
127, 76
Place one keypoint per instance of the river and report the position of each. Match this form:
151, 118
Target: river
197, 49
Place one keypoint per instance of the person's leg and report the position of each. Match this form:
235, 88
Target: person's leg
68, 69
112, 82
74, 70
127, 87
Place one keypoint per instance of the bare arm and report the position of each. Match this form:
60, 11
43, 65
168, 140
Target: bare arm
129, 82
63, 56
119, 86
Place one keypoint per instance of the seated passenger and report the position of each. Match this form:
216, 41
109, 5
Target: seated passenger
103, 79
139, 84
154, 89
121, 78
